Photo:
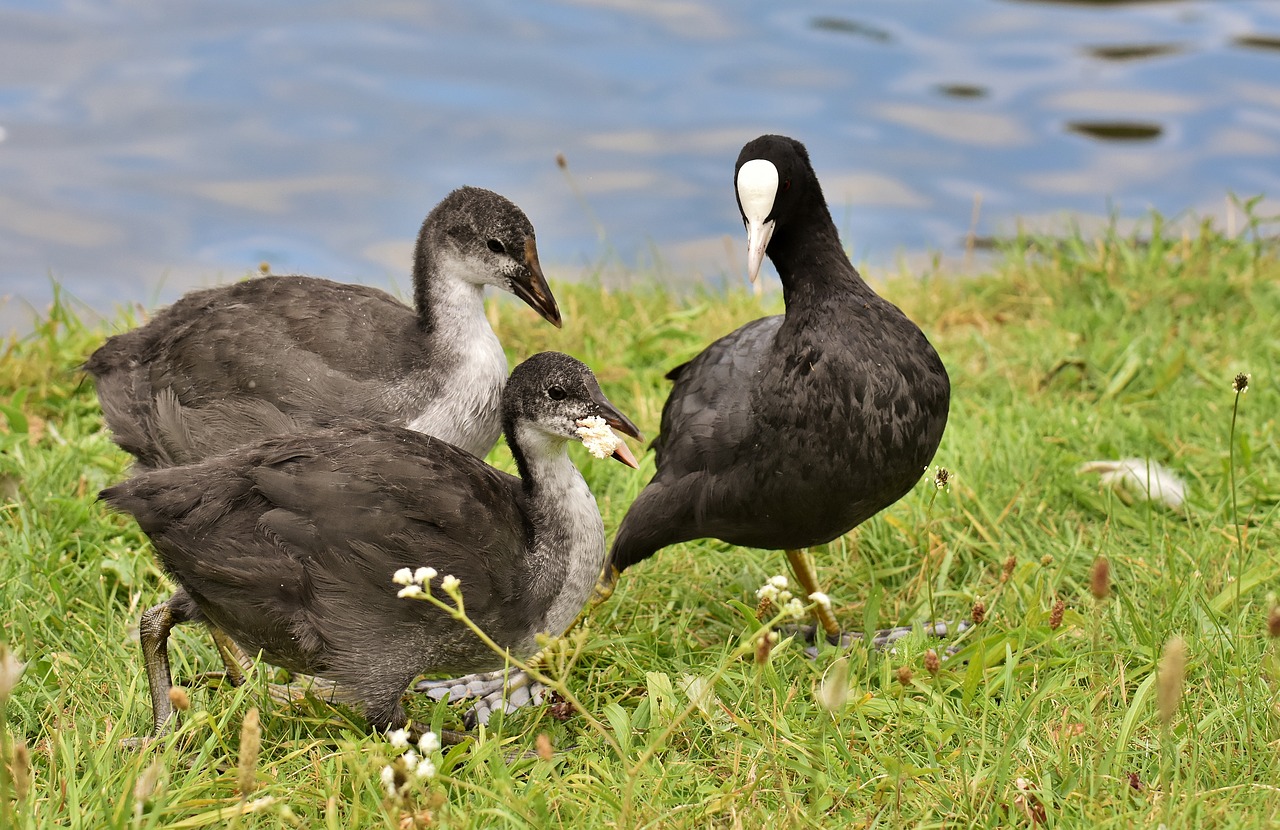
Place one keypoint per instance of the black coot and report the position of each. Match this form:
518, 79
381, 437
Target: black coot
289, 546
273, 355
792, 430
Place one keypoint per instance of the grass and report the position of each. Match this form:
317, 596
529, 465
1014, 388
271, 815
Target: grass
1064, 353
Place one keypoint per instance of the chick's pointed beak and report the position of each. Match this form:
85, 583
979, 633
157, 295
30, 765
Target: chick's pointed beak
758, 236
621, 423
531, 286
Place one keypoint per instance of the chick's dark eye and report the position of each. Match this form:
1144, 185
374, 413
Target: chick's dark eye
496, 246
557, 393
786, 185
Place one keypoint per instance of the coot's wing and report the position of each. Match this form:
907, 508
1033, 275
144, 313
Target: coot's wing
708, 414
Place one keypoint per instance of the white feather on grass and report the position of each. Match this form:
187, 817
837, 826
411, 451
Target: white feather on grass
1140, 478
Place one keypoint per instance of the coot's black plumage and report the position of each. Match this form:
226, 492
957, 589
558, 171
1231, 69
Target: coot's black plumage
272, 355
289, 545
793, 429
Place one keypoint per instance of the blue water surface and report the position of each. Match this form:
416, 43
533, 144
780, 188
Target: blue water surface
146, 148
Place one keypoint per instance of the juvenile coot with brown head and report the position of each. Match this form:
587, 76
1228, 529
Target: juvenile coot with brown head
794, 429
289, 546
272, 355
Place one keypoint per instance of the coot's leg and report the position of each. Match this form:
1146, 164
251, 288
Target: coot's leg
153, 633
802, 565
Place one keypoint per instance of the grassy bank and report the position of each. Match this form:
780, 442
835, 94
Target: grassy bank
1064, 354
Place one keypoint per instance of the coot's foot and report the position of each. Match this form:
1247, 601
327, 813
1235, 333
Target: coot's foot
494, 691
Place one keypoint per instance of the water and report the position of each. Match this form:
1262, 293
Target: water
149, 147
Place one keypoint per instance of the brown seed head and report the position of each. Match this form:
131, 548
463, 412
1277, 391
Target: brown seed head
1169, 677
1009, 565
147, 783
979, 612
1273, 621
179, 699
21, 769
250, 743
1241, 383
1100, 578
543, 743
764, 646
561, 161
904, 675
931, 662
1055, 614
941, 478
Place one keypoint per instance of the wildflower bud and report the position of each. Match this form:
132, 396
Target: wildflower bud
403, 576
250, 743
543, 744
394, 779
1055, 614
1046, 560
179, 699
931, 662
1009, 565
764, 646
1241, 383
451, 585
428, 743
905, 674
398, 738
1169, 676
941, 478
1273, 621
264, 267
1100, 578
21, 770
979, 612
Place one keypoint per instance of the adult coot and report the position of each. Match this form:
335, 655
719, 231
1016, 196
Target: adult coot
290, 545
224, 366
792, 430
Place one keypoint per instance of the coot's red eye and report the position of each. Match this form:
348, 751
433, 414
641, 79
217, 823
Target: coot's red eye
786, 185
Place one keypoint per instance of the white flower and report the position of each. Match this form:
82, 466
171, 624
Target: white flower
779, 582
425, 769
428, 743
767, 591
821, 599
596, 436
389, 780
410, 758
404, 576
410, 591
399, 738
794, 608
450, 584
424, 575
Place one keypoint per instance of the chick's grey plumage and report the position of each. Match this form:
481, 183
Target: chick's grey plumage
272, 355
793, 429
289, 546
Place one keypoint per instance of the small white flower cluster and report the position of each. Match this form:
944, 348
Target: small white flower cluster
414, 582
596, 436
395, 776
775, 591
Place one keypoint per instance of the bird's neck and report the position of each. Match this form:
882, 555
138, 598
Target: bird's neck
812, 265
567, 548
449, 302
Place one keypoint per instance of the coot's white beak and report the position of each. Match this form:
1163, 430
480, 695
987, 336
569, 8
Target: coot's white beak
757, 188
